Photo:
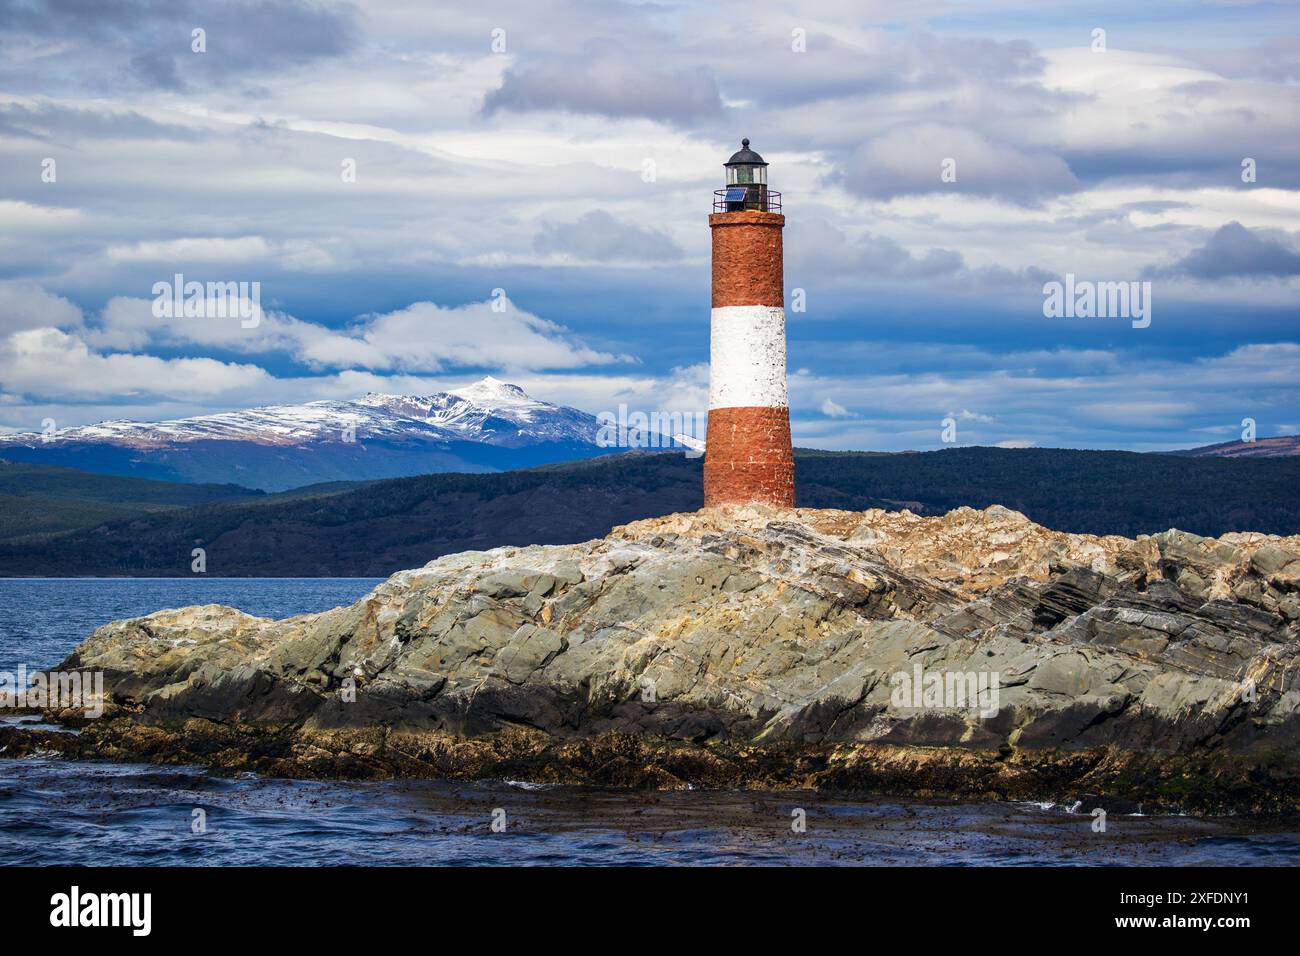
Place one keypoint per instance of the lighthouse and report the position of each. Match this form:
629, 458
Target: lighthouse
747, 458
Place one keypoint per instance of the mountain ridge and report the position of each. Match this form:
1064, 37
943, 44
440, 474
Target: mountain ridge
467, 414
1278, 446
45, 499
487, 426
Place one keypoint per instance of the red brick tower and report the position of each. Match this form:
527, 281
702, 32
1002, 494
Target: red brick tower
748, 458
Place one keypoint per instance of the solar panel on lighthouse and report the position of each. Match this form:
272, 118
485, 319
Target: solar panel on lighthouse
736, 194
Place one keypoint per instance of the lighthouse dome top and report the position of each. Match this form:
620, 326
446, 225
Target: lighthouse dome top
745, 156
746, 184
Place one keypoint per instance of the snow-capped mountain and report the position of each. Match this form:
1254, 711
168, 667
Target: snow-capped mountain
488, 426
488, 411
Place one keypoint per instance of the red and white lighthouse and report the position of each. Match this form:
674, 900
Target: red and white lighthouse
748, 458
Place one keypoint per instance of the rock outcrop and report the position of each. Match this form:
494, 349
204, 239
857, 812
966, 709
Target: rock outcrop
757, 647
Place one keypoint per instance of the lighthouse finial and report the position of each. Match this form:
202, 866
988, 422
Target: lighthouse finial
744, 143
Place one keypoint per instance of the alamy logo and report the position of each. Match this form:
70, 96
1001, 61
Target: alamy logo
946, 690
53, 690
653, 430
1102, 300
178, 299
103, 909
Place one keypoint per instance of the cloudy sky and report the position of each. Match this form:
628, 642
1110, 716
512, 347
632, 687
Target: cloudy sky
565, 153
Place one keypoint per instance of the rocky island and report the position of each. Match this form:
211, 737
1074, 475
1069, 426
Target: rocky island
754, 647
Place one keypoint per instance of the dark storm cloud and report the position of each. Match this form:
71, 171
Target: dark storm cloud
157, 68
147, 42
658, 76
1183, 165
607, 84
1155, 205
1275, 60
81, 17
816, 247
912, 159
766, 67
822, 257
600, 237
1235, 251
49, 123
298, 28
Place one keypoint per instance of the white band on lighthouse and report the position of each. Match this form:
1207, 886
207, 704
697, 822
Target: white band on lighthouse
747, 357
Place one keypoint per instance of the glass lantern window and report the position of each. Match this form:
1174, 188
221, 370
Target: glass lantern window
746, 175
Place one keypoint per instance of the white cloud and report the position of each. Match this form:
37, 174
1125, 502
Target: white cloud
25, 305
428, 337
1160, 106
255, 252
202, 249
129, 323
910, 159
18, 215
49, 362
423, 337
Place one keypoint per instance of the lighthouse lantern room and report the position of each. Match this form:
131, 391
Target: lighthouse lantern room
746, 184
